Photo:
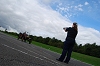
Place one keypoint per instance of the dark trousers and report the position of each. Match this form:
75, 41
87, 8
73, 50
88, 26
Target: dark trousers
67, 49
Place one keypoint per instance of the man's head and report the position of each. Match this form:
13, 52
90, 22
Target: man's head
75, 25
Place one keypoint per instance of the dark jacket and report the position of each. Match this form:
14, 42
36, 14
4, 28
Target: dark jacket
71, 33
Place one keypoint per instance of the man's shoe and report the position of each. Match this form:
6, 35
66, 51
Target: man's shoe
59, 60
66, 62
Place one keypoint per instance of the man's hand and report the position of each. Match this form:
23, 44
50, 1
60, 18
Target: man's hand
65, 29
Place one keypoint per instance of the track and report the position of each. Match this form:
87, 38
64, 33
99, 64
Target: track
17, 53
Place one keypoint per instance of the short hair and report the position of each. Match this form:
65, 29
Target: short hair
75, 25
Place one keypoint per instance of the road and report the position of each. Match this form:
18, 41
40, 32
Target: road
14, 52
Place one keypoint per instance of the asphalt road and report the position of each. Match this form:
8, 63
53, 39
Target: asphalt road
14, 52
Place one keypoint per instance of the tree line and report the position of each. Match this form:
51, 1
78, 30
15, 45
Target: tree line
87, 49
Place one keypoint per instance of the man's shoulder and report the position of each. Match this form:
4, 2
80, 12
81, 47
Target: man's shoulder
69, 28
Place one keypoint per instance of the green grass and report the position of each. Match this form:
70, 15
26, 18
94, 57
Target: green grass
84, 58
55, 49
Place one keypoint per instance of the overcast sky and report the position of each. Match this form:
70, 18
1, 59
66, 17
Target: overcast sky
46, 18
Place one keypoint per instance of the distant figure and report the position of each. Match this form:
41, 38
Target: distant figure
20, 36
69, 43
25, 37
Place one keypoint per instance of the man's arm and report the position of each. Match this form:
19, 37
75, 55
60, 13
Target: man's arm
65, 29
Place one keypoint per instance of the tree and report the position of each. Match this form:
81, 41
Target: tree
47, 39
75, 48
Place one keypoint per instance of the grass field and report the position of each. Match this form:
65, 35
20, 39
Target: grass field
84, 58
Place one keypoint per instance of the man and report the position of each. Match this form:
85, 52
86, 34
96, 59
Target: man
69, 43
